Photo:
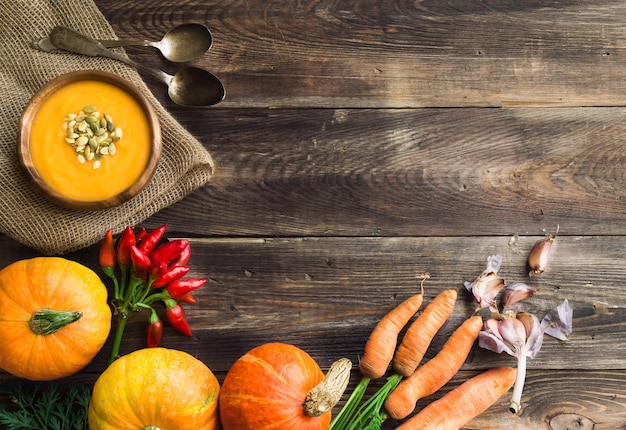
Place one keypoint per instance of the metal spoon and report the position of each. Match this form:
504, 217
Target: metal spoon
182, 43
190, 86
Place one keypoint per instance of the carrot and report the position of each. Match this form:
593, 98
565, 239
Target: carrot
465, 402
433, 375
382, 342
418, 337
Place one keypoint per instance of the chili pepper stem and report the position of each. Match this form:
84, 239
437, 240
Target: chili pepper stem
134, 283
122, 319
123, 310
148, 300
116, 286
146, 297
121, 291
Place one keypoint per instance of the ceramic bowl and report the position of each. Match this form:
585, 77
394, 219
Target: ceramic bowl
46, 180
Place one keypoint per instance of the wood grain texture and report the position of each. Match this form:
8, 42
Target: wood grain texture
364, 143
326, 294
379, 172
400, 53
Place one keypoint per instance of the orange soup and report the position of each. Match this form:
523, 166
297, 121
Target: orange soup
56, 160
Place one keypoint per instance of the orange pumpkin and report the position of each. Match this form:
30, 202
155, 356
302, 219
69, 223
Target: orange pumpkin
266, 389
54, 317
155, 388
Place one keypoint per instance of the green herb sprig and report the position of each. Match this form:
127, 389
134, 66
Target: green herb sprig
44, 407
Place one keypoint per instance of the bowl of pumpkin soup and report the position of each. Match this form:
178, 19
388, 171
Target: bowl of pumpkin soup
89, 140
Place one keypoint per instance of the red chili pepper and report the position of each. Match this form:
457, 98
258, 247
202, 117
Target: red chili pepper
168, 252
142, 233
186, 298
183, 257
154, 331
172, 273
107, 254
126, 240
176, 316
182, 286
140, 263
151, 239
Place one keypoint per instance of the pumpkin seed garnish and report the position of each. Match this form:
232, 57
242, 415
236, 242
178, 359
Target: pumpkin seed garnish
91, 134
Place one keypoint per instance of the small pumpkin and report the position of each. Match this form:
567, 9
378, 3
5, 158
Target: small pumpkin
54, 317
155, 388
279, 386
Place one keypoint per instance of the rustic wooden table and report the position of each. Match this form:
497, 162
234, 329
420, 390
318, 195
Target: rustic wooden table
362, 143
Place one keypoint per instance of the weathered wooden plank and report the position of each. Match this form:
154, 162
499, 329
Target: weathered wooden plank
326, 294
408, 172
400, 54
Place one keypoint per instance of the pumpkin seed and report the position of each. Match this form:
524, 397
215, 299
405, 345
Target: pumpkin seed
92, 134
82, 141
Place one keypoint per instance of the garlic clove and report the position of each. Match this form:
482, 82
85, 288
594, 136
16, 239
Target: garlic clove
539, 255
513, 332
534, 333
514, 293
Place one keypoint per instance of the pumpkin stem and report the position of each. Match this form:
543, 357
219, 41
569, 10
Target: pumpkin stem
151, 428
325, 395
48, 321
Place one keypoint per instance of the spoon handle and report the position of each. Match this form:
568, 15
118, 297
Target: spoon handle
72, 41
114, 43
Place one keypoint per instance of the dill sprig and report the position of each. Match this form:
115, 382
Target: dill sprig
44, 407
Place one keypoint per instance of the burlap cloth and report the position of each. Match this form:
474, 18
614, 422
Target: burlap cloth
25, 215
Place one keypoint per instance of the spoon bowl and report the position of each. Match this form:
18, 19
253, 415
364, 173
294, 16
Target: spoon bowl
190, 86
180, 44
